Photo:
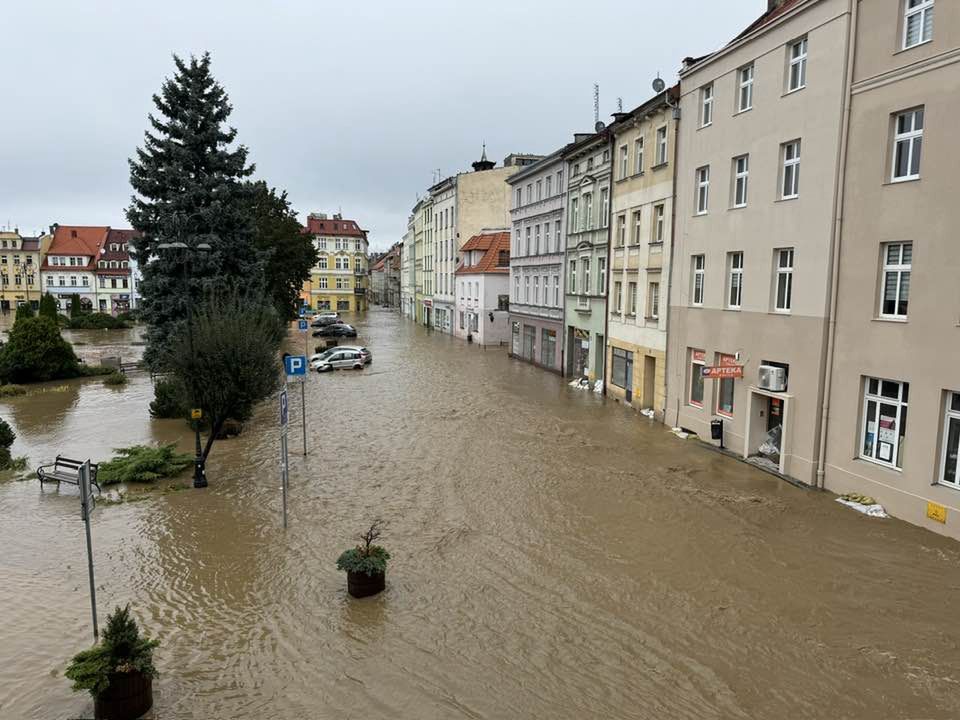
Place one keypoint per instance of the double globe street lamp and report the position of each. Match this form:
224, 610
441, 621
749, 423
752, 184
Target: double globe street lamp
188, 252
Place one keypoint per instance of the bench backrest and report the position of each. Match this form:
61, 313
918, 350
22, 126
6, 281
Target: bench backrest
71, 464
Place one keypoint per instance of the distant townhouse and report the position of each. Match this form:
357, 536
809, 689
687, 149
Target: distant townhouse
70, 265
20, 261
423, 239
463, 205
588, 167
114, 275
537, 254
340, 279
391, 280
896, 340
757, 181
482, 289
408, 270
643, 144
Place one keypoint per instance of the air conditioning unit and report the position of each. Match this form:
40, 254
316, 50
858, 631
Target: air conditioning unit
773, 378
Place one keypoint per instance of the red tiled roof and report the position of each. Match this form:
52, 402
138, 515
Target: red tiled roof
333, 226
76, 240
492, 244
120, 237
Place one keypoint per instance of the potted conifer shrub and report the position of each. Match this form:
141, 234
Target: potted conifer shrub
365, 564
118, 671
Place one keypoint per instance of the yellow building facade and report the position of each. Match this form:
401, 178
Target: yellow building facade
340, 281
20, 261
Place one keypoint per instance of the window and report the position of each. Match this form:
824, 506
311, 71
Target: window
548, 347
624, 161
556, 290
539, 189
917, 22
604, 207
659, 219
632, 298
546, 237
784, 281
797, 76
602, 276
697, 361
519, 197
589, 164
526, 288
706, 105
638, 155
791, 170
516, 288
621, 230
574, 214
585, 267
323, 283
573, 276
637, 217
951, 442
556, 228
907, 144
699, 267
745, 95
662, 145
897, 261
527, 251
559, 180
536, 239
725, 387
653, 300
529, 199
741, 173
536, 290
703, 189
461, 320
588, 210
621, 373
618, 297
735, 281
549, 181
884, 421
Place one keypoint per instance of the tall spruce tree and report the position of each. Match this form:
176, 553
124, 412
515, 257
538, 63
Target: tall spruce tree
190, 187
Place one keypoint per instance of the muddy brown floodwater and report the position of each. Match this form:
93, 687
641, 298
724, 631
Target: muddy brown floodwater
554, 556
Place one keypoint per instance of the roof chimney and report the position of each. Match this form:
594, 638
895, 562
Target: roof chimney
483, 163
774, 4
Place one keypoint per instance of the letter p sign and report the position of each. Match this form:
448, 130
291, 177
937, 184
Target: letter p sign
295, 365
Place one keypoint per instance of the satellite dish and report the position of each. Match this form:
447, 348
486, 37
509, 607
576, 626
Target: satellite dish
658, 84
599, 126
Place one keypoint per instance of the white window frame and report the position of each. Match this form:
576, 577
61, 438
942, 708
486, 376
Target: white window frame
911, 140
741, 178
879, 400
735, 280
638, 155
585, 270
797, 57
783, 275
604, 207
662, 145
618, 301
702, 203
924, 11
949, 415
790, 170
624, 161
706, 105
699, 264
698, 358
653, 298
621, 229
602, 276
902, 270
632, 298
574, 214
637, 225
745, 88
659, 222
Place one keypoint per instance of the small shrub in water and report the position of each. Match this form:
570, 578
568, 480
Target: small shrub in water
365, 558
115, 379
143, 464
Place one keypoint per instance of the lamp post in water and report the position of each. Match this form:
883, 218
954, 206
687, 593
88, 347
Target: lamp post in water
186, 253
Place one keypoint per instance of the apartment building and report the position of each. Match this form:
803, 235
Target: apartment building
483, 280
443, 253
408, 270
115, 285
537, 263
896, 341
756, 190
340, 279
70, 264
20, 261
642, 223
423, 242
588, 164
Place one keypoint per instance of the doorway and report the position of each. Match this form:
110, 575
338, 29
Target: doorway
599, 353
649, 381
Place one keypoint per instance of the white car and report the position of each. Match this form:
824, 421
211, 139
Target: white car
340, 358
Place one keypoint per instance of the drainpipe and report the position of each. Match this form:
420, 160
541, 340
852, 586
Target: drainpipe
826, 376
609, 264
673, 239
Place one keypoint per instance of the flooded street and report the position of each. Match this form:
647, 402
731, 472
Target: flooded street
554, 556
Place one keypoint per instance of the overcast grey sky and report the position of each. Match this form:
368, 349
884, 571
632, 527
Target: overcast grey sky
348, 105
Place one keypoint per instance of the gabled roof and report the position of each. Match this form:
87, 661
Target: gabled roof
78, 240
492, 244
768, 17
337, 226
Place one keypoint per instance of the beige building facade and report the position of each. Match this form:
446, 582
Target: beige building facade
642, 225
894, 414
757, 182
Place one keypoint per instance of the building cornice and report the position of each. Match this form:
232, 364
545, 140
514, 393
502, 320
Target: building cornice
935, 62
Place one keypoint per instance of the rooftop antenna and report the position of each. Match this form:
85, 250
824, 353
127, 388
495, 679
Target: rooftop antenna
619, 105
596, 103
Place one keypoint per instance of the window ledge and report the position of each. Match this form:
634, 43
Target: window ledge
704, 127
787, 199
700, 307
701, 214
794, 91
895, 320
660, 165
879, 463
913, 47
741, 112
901, 181
737, 207
731, 309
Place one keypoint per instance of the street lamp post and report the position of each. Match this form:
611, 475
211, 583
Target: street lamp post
199, 472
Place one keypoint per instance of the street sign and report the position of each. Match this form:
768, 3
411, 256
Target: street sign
295, 365
303, 310
196, 414
284, 409
717, 372
302, 325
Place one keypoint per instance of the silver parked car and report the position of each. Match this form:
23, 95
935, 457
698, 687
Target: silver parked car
339, 358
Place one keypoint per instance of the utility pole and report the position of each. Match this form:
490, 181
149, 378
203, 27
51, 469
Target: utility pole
87, 504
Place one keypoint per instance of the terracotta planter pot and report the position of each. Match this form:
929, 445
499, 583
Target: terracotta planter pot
362, 585
129, 696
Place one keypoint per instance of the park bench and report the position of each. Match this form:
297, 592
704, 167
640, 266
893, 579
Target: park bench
66, 470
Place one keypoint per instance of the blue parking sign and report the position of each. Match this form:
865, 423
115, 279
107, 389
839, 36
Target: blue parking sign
284, 408
303, 310
302, 325
295, 365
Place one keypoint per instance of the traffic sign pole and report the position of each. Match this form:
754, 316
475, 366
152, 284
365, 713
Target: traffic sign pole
303, 384
284, 416
86, 507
